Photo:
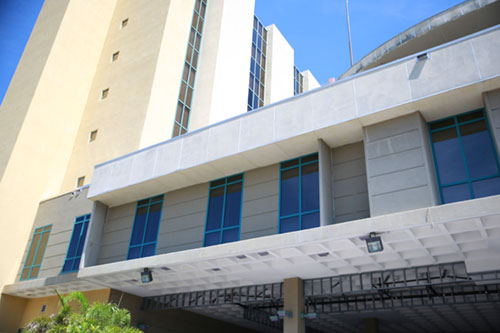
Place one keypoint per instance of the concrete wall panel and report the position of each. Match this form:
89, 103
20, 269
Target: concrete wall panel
260, 202
349, 183
399, 166
438, 73
335, 105
61, 213
486, 50
492, 101
389, 92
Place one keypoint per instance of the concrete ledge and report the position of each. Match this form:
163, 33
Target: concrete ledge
461, 20
446, 83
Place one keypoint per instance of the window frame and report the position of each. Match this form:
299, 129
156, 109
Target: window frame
35, 256
258, 65
142, 244
300, 213
185, 98
222, 229
456, 125
85, 220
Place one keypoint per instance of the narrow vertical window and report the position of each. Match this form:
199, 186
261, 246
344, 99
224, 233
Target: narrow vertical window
76, 244
299, 194
93, 136
224, 210
465, 158
298, 81
257, 78
184, 102
115, 56
80, 181
35, 254
124, 23
104, 93
146, 227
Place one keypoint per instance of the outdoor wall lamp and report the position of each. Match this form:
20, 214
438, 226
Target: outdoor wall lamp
374, 243
146, 276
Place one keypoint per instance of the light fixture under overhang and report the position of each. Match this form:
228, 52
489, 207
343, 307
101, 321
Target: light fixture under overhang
373, 242
146, 276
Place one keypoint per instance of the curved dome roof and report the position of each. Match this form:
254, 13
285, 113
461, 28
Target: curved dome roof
458, 21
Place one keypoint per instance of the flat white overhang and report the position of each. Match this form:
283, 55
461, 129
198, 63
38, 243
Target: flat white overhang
467, 231
42, 287
450, 81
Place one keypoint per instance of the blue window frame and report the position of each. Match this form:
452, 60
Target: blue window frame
224, 211
257, 80
35, 254
299, 194
76, 244
298, 82
186, 92
465, 157
146, 227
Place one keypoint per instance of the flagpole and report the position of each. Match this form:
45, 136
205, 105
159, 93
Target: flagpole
348, 28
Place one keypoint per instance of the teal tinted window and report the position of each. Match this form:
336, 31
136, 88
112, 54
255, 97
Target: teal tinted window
146, 227
257, 80
299, 194
465, 157
224, 210
35, 254
184, 101
76, 244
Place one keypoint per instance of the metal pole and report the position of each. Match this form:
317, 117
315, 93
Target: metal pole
348, 28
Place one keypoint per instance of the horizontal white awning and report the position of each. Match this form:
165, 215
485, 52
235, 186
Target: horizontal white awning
467, 231
42, 287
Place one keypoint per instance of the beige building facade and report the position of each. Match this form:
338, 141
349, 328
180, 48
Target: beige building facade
99, 80
138, 177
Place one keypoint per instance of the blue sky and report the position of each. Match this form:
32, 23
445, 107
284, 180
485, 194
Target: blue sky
17, 18
317, 29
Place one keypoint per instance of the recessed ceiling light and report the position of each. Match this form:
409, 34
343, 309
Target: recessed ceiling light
241, 256
264, 253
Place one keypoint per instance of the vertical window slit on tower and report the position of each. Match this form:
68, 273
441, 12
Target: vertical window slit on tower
181, 121
257, 66
298, 84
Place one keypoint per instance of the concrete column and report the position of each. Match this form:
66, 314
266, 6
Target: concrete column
370, 325
326, 213
310, 81
93, 241
293, 290
399, 165
279, 67
492, 102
